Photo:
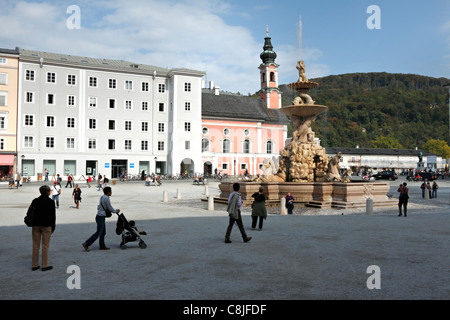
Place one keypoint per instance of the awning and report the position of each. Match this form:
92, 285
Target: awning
6, 159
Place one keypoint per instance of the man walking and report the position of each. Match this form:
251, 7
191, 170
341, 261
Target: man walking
234, 212
56, 191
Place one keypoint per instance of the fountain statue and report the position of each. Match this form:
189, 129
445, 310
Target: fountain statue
303, 160
304, 168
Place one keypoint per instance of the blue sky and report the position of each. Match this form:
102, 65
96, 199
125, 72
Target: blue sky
225, 37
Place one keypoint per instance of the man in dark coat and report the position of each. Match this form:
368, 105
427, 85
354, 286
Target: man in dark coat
43, 227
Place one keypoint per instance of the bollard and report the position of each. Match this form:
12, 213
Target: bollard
427, 194
283, 209
211, 203
178, 193
206, 191
369, 206
165, 196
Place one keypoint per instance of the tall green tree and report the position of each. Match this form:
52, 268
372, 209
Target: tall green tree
439, 147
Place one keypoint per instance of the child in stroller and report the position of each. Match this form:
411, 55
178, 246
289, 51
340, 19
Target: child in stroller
129, 232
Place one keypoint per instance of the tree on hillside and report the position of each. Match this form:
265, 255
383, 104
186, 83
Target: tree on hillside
438, 147
383, 142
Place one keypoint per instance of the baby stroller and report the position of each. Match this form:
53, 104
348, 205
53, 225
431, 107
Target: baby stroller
129, 232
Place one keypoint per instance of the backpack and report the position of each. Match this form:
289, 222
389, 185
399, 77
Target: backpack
31, 214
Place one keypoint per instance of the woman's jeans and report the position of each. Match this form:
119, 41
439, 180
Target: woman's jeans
101, 232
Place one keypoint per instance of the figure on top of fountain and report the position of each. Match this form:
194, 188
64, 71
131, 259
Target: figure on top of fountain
301, 71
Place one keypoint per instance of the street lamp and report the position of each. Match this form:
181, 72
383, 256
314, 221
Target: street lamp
156, 158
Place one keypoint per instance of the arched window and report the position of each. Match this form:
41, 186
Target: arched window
226, 146
269, 146
205, 145
272, 76
246, 146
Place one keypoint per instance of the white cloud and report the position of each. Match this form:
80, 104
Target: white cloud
168, 34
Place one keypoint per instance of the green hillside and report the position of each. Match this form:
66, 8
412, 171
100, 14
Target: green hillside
366, 109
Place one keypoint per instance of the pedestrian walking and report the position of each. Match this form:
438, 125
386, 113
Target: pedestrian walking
423, 186
259, 208
403, 199
290, 203
43, 226
434, 189
69, 181
234, 212
104, 206
17, 179
76, 195
56, 191
89, 180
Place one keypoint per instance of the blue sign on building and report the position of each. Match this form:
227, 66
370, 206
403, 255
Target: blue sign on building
106, 164
131, 165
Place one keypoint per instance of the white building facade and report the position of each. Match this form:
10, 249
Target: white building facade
86, 116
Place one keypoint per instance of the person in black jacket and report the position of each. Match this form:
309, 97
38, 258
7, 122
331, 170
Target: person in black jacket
43, 227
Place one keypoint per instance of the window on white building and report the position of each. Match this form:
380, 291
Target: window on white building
70, 143
187, 87
28, 142
187, 106
50, 98
29, 97
112, 103
92, 123
29, 75
187, 126
144, 86
144, 145
70, 122
50, 121
128, 105
71, 79
128, 125
111, 144
93, 82
51, 77
161, 88
161, 107
187, 145
92, 102
128, 85
160, 127
111, 124
29, 120
144, 126
92, 143
127, 144
71, 101
112, 83
144, 106
49, 142
160, 145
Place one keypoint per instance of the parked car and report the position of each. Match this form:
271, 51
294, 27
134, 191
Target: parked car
421, 176
385, 175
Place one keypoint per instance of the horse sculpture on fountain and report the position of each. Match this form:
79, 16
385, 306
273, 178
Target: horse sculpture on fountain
269, 169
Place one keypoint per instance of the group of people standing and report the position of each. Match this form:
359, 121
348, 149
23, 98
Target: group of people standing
432, 190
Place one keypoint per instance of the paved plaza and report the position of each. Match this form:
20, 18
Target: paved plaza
313, 254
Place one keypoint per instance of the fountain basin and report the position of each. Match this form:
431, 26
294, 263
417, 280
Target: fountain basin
337, 195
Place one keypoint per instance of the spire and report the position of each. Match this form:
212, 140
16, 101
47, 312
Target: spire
268, 55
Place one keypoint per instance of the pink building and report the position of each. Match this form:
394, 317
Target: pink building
239, 132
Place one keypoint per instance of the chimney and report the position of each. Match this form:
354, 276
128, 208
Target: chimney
203, 84
211, 85
216, 90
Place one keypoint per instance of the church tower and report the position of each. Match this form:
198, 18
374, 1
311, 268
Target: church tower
269, 92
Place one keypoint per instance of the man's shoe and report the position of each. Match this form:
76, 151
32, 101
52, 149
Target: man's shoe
47, 268
85, 246
35, 268
227, 241
248, 239
105, 248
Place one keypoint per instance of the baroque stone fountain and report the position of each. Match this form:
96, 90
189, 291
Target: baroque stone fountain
305, 170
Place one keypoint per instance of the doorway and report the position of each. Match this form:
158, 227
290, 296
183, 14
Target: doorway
117, 167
